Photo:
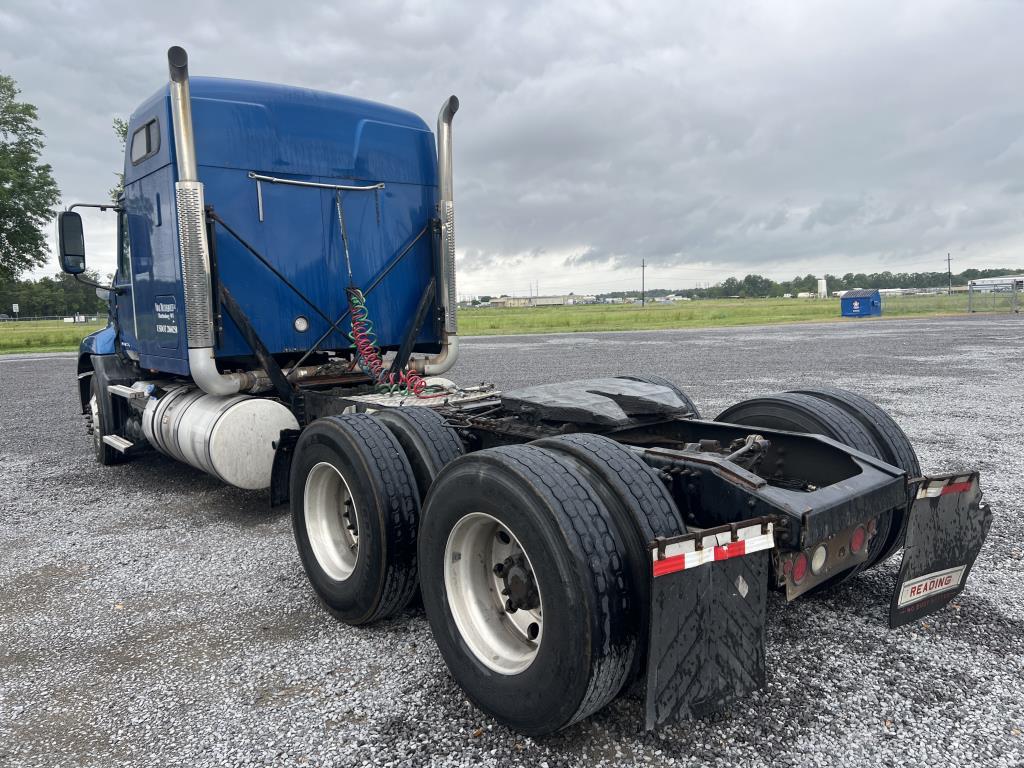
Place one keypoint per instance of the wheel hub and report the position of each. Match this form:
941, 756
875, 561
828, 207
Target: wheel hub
493, 594
520, 586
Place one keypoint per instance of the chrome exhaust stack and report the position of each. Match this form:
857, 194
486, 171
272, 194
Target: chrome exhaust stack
434, 365
195, 250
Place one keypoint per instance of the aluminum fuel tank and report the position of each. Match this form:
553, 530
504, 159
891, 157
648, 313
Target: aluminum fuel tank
228, 436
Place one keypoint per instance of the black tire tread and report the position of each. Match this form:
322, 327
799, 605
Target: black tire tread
836, 423
891, 439
645, 511
383, 455
439, 443
635, 480
595, 538
592, 546
403, 520
105, 455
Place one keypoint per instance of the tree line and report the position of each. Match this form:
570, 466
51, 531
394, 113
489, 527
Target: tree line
758, 286
57, 295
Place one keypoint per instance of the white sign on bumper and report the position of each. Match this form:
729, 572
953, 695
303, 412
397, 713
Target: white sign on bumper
930, 584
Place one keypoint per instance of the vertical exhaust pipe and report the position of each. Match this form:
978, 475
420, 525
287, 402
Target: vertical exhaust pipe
433, 365
195, 251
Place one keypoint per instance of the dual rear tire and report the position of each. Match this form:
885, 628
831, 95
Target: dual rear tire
532, 560
355, 511
847, 418
582, 510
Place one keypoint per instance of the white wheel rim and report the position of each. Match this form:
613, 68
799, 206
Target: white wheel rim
331, 526
506, 642
94, 412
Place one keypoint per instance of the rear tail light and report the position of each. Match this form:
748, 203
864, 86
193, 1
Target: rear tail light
799, 568
818, 558
858, 539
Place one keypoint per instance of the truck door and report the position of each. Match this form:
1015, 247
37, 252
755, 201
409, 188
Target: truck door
124, 298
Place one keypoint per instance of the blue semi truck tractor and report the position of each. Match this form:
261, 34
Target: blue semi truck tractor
281, 315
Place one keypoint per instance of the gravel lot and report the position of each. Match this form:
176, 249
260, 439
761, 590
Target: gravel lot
151, 616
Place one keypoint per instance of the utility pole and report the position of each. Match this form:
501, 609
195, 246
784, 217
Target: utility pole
949, 272
643, 291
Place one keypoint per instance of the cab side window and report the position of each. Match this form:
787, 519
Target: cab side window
124, 249
145, 142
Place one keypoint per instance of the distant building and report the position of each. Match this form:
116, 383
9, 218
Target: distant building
822, 288
549, 301
861, 303
506, 302
997, 284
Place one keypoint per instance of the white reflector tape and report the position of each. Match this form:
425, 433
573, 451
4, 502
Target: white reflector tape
930, 489
684, 554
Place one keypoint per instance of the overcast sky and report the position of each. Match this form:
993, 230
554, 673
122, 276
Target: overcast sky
710, 139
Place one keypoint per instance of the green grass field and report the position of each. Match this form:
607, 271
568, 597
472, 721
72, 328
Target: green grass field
58, 336
687, 314
43, 335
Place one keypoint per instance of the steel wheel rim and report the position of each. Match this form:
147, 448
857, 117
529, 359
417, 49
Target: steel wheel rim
330, 516
505, 642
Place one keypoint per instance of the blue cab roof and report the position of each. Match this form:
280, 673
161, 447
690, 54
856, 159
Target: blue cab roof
286, 130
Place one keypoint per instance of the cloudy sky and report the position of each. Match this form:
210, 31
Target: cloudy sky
709, 139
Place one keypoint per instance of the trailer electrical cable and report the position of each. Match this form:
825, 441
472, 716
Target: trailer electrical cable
370, 360
362, 334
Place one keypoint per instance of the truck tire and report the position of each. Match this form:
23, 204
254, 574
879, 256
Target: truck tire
105, 455
429, 443
893, 444
641, 508
522, 519
663, 382
355, 511
812, 415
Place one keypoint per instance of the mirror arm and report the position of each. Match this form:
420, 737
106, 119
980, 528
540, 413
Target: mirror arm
102, 206
114, 289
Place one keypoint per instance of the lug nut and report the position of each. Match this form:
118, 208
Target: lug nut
510, 606
499, 568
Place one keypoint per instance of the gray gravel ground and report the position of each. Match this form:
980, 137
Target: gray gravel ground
150, 615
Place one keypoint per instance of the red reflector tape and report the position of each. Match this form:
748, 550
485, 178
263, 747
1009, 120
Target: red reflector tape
957, 488
932, 488
674, 562
732, 549
669, 565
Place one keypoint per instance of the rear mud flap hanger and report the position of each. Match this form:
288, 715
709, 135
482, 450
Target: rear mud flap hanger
706, 644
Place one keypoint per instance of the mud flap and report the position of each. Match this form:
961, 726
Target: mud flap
706, 640
280, 473
945, 530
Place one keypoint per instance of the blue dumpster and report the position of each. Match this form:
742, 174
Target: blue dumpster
861, 303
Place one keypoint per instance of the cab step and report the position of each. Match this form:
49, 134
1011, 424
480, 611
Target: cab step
126, 392
118, 443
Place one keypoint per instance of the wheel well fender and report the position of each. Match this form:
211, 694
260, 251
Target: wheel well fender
280, 473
